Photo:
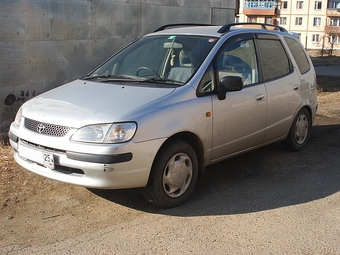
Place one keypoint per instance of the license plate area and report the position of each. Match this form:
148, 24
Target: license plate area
38, 156
48, 160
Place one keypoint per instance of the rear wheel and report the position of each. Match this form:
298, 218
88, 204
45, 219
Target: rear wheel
299, 132
173, 175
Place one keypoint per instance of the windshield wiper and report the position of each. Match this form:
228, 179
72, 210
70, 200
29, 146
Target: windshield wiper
160, 80
108, 77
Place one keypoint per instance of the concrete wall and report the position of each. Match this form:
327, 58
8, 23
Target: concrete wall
46, 43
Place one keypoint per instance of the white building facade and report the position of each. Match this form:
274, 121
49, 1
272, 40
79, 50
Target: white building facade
317, 23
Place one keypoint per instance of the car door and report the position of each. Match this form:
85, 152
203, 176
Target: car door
239, 120
282, 85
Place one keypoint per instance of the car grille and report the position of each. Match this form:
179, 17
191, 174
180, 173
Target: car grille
46, 129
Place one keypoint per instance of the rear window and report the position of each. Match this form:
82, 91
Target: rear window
298, 54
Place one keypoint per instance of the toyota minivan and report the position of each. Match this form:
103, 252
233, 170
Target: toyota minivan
159, 111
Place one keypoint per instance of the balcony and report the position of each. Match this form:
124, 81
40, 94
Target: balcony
259, 7
332, 29
333, 12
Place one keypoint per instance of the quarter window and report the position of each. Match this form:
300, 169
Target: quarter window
298, 54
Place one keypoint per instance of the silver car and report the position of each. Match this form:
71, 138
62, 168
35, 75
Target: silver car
159, 111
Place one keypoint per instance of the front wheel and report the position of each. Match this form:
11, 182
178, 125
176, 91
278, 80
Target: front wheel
299, 132
173, 175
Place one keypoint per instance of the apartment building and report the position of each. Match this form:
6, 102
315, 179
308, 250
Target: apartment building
317, 23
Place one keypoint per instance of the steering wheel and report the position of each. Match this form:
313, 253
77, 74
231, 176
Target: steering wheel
146, 69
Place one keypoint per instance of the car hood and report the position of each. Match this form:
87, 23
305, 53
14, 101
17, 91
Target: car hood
81, 103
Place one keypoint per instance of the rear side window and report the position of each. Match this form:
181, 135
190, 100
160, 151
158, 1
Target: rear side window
298, 54
275, 62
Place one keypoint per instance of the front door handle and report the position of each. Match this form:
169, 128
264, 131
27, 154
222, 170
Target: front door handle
259, 97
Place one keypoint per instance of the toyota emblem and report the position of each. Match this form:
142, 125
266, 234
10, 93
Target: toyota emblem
40, 128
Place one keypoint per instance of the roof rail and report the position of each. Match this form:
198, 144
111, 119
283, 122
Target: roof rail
226, 28
179, 25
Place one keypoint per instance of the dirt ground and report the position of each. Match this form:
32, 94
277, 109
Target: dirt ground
38, 212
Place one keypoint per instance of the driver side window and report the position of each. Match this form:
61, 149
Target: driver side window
234, 59
238, 59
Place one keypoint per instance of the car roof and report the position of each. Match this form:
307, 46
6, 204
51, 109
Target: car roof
195, 30
217, 31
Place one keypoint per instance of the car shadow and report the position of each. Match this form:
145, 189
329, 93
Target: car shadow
264, 179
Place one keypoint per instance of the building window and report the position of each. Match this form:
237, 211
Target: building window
334, 5
298, 21
317, 21
268, 20
283, 21
334, 39
335, 22
284, 4
315, 38
251, 19
299, 5
318, 5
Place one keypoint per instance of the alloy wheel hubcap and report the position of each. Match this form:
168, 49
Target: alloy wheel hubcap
177, 175
301, 129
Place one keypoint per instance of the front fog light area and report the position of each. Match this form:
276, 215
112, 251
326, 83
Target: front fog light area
105, 133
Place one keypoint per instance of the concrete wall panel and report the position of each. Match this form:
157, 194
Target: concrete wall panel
116, 20
12, 20
52, 63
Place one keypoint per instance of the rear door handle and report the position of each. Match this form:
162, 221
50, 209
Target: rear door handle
259, 97
296, 87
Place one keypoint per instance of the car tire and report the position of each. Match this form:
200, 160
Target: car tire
173, 175
299, 132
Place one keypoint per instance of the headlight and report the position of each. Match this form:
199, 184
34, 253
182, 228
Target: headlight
106, 133
18, 117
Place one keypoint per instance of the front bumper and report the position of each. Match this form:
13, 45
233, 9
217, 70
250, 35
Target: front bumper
103, 170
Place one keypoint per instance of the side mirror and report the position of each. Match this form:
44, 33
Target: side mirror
229, 83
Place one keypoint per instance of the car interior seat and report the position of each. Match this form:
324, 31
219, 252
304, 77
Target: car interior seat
185, 68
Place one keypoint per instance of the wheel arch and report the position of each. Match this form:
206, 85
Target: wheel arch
289, 141
194, 141
309, 110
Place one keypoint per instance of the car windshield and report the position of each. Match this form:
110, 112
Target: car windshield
170, 59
